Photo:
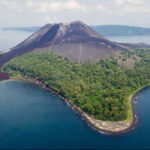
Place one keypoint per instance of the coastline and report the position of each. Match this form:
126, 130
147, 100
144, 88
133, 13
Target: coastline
106, 127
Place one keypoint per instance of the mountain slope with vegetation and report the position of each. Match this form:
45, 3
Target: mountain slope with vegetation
101, 89
74, 40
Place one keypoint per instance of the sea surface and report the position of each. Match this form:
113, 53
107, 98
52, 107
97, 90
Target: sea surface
9, 39
32, 118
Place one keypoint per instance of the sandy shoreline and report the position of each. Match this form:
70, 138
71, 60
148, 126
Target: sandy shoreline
107, 127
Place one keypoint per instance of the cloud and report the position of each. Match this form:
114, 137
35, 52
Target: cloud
9, 5
138, 9
100, 7
121, 2
131, 6
44, 7
23, 12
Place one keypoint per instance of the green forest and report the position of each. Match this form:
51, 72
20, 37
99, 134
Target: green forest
101, 89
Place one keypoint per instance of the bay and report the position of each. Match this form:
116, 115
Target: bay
33, 118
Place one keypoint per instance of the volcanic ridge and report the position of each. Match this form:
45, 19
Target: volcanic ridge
74, 40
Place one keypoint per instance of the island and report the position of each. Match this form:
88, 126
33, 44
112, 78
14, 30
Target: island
101, 92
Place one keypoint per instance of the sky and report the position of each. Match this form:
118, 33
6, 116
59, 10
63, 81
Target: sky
17, 13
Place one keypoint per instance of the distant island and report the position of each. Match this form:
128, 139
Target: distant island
121, 30
24, 29
104, 30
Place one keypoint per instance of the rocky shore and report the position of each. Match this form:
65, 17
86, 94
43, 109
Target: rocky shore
111, 127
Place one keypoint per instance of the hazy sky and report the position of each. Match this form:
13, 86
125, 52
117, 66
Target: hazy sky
92, 12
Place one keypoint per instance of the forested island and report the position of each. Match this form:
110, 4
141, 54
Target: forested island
101, 89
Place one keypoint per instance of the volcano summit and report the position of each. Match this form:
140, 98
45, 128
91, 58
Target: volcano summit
74, 40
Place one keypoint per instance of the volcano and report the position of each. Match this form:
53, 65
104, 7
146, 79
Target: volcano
74, 40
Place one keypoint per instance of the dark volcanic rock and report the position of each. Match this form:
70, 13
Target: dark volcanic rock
74, 40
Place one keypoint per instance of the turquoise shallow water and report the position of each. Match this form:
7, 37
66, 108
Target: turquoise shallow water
31, 117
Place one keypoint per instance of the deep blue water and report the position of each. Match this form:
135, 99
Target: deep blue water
31, 117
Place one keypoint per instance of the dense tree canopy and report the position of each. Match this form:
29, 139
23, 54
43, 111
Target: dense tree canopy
101, 89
